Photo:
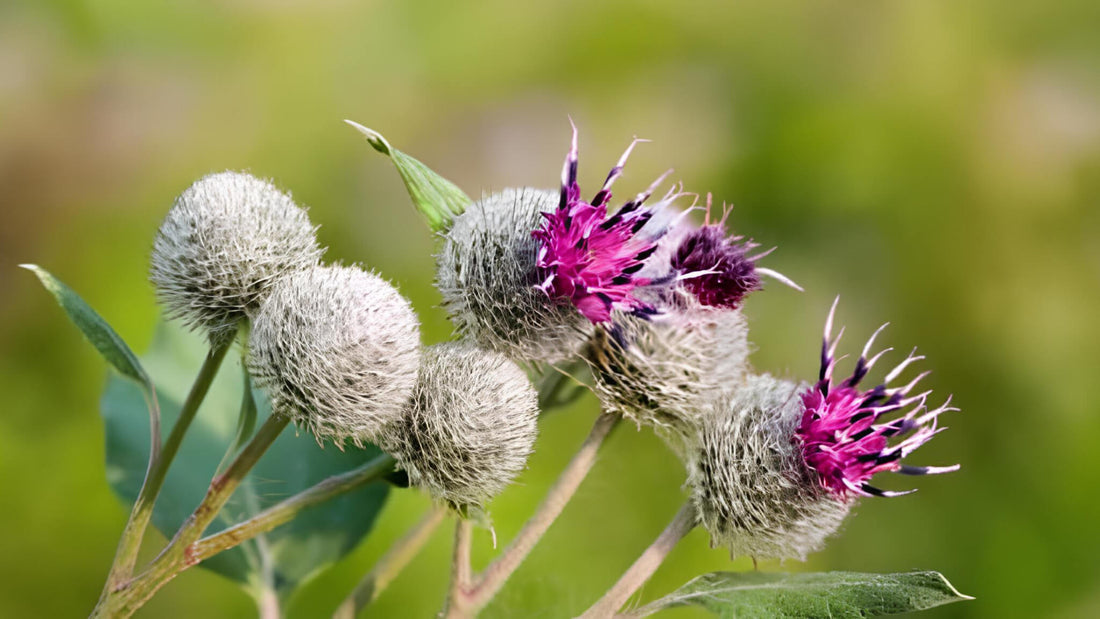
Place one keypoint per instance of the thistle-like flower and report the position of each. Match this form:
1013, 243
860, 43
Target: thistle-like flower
488, 279
658, 371
227, 239
590, 258
775, 467
527, 272
752, 489
843, 435
717, 268
337, 350
469, 427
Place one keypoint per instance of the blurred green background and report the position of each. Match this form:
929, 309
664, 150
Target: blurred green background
936, 163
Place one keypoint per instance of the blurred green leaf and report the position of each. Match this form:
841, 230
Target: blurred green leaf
437, 198
281, 559
836, 595
109, 344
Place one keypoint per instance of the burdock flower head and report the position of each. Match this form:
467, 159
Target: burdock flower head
488, 280
337, 350
775, 468
658, 371
527, 272
717, 268
469, 427
844, 435
590, 258
227, 239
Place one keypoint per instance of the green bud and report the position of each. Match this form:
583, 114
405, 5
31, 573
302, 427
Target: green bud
437, 198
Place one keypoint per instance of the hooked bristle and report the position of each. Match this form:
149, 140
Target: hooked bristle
337, 350
749, 481
660, 371
469, 427
487, 274
226, 241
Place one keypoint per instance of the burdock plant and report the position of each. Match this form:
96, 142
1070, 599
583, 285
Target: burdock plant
646, 300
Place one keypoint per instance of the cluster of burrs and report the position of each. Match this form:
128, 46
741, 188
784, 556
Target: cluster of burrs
651, 302
337, 348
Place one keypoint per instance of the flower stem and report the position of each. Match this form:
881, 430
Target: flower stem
160, 459
390, 565
458, 600
647, 563
267, 606
286, 510
179, 554
498, 572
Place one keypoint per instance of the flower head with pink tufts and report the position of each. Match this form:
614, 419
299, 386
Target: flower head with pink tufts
843, 436
590, 257
718, 268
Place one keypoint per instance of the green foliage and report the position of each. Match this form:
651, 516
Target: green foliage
834, 595
437, 198
287, 556
94, 327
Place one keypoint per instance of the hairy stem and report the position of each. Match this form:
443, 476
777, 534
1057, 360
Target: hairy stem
643, 568
458, 600
286, 510
160, 459
179, 554
268, 604
390, 565
498, 572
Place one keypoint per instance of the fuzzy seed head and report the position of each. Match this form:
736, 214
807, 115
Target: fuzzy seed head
337, 350
227, 239
658, 371
750, 484
488, 277
469, 427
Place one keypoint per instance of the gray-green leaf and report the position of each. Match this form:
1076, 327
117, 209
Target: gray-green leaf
109, 344
437, 198
281, 559
834, 595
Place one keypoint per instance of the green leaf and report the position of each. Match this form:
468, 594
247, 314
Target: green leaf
437, 198
94, 327
836, 595
281, 559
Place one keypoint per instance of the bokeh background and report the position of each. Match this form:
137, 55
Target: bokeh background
936, 163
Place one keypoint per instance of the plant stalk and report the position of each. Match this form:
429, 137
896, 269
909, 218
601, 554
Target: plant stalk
493, 578
643, 568
458, 600
179, 554
390, 565
160, 460
289, 508
268, 605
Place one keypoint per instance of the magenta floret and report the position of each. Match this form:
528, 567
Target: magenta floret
843, 435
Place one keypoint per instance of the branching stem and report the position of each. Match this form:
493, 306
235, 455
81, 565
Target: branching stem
493, 578
390, 565
458, 600
179, 554
643, 568
160, 460
286, 510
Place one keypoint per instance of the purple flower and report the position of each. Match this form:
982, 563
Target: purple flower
718, 269
843, 436
592, 258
